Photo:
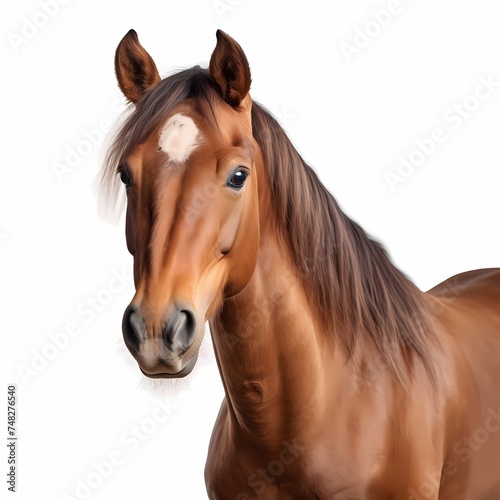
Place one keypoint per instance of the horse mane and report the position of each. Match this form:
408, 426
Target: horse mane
148, 115
348, 276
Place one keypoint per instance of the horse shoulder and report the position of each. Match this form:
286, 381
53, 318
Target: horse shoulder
467, 311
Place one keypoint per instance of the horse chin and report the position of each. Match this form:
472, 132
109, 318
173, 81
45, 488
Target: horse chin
183, 372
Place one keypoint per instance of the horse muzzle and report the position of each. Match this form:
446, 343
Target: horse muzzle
162, 351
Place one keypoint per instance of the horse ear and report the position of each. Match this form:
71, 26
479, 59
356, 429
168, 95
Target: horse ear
135, 69
229, 67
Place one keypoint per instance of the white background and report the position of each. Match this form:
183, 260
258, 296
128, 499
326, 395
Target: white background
350, 120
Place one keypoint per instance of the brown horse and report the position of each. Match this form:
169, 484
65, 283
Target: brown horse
342, 379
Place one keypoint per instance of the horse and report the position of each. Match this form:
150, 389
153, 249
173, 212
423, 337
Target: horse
342, 379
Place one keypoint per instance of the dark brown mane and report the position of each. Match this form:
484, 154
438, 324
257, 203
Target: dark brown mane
348, 276
149, 113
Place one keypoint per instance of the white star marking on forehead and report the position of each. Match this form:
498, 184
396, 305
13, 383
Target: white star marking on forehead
179, 137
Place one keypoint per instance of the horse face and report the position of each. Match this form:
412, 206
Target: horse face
192, 212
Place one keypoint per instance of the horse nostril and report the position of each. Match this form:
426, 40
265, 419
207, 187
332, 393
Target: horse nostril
180, 330
190, 324
133, 327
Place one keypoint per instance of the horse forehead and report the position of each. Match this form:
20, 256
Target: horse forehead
179, 137
186, 131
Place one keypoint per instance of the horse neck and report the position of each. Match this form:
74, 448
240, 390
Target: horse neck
271, 350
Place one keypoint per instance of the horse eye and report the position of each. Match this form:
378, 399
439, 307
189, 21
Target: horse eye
237, 179
125, 177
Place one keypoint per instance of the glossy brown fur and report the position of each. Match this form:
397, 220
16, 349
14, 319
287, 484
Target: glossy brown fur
342, 379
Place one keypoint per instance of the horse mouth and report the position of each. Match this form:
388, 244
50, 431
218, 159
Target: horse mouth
186, 370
